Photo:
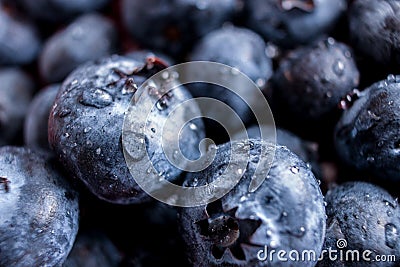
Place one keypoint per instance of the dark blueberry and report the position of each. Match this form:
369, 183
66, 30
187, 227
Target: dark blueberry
38, 212
241, 49
36, 121
93, 249
286, 212
289, 23
172, 26
367, 135
15, 95
375, 29
366, 217
311, 81
142, 55
60, 10
86, 123
19, 41
89, 37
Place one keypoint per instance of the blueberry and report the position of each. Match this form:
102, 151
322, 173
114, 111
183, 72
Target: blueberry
93, 249
241, 49
85, 126
15, 95
173, 26
367, 135
19, 40
375, 29
36, 121
286, 212
290, 23
311, 81
60, 10
39, 210
89, 37
367, 218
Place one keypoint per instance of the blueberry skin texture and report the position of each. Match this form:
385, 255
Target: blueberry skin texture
375, 29
89, 37
93, 249
290, 27
85, 129
287, 209
173, 26
242, 49
16, 92
60, 10
311, 81
39, 211
36, 121
367, 217
367, 135
19, 40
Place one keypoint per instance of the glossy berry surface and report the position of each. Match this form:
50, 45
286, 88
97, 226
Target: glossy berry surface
375, 29
238, 48
171, 26
367, 217
85, 127
89, 37
38, 212
36, 121
285, 212
16, 92
290, 23
367, 135
311, 81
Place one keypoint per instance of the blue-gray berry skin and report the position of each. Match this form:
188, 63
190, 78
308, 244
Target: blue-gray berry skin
311, 81
375, 29
86, 122
368, 218
93, 249
173, 26
289, 23
19, 39
60, 10
88, 37
16, 92
38, 212
36, 121
367, 135
239, 48
286, 212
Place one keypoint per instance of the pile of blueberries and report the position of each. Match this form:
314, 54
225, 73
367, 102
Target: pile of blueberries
70, 68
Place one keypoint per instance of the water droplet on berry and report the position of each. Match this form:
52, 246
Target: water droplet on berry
391, 78
294, 169
98, 151
135, 145
391, 235
338, 67
64, 112
96, 97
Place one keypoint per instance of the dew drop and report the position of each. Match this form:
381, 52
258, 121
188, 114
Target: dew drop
338, 67
98, 151
87, 129
193, 126
391, 235
391, 78
96, 97
294, 169
66, 135
135, 145
161, 105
